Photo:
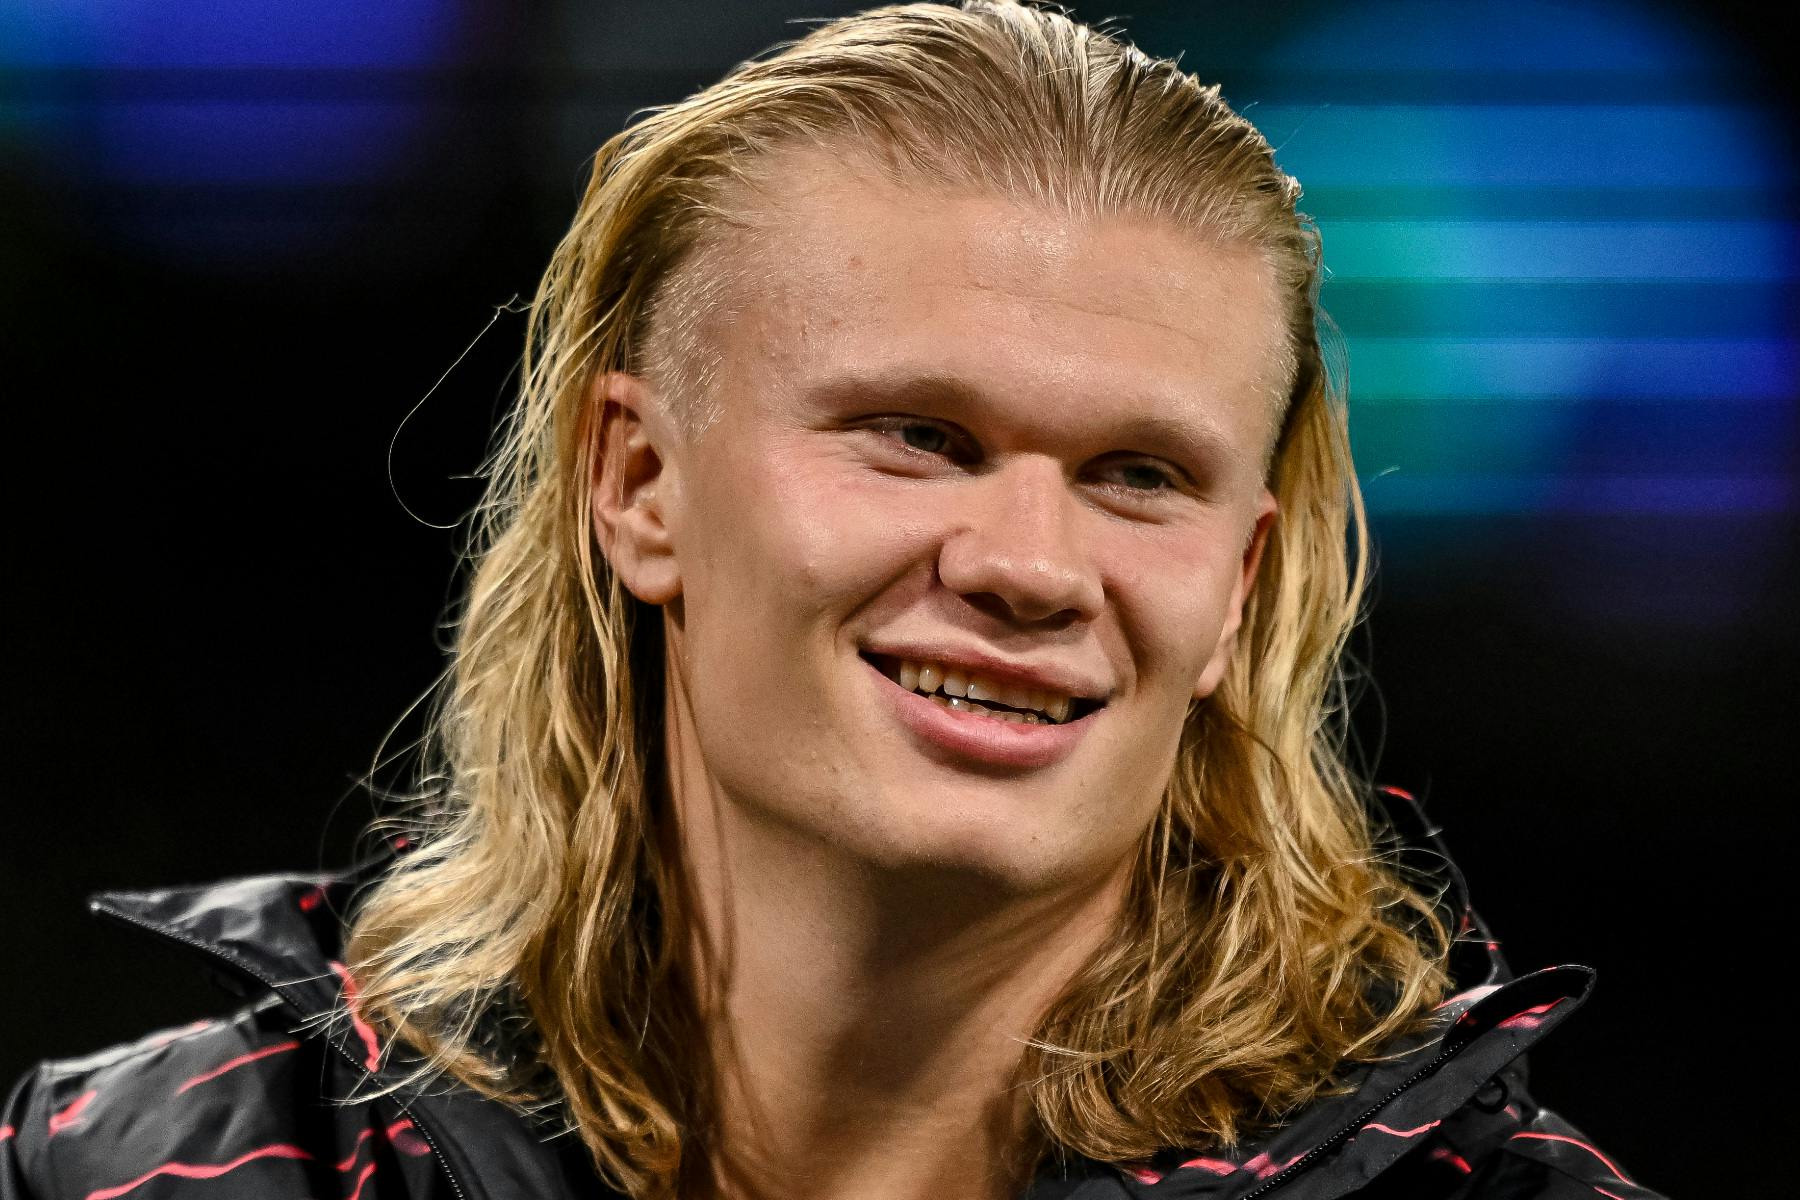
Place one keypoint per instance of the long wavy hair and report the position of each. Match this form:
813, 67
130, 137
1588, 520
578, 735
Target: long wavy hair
530, 945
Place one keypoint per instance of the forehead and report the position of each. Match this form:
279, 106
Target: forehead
844, 267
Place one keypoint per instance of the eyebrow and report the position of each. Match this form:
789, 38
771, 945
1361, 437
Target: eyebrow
930, 389
1202, 441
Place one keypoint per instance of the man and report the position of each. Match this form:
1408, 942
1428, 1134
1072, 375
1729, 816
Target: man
887, 753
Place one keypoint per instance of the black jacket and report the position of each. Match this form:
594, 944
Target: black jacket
264, 1103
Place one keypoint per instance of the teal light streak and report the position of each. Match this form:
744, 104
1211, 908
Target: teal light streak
1611, 250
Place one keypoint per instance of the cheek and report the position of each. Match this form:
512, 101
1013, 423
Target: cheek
1173, 594
836, 550
796, 542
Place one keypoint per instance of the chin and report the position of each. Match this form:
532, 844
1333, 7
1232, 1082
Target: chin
994, 846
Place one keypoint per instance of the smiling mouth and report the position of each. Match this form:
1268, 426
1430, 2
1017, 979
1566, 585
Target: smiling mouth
961, 691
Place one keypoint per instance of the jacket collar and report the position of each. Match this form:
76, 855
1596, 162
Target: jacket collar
283, 932
1340, 1143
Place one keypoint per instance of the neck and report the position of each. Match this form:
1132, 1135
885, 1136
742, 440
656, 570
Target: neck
866, 1023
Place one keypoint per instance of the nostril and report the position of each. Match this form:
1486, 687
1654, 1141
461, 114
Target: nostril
1051, 617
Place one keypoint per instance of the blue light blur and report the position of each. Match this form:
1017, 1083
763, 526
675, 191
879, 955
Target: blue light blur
153, 99
1559, 237
1551, 305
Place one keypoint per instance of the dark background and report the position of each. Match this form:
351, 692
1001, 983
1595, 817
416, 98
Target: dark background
238, 243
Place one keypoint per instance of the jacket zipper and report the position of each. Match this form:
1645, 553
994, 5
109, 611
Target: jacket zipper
1300, 1164
213, 952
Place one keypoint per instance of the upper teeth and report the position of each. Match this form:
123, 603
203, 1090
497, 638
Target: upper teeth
928, 677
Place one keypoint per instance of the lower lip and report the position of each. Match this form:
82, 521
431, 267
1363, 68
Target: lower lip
970, 737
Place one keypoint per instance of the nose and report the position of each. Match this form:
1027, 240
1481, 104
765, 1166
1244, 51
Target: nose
1017, 551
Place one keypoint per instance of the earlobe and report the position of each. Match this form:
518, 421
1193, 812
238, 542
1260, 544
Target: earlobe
630, 492
1214, 671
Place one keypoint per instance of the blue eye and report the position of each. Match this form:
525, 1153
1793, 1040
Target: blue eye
927, 437
1145, 477
920, 436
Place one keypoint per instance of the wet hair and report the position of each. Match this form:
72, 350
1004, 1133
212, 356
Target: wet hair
1264, 944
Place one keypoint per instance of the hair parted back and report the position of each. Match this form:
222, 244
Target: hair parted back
1263, 944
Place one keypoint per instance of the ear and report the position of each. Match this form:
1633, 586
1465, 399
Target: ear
630, 489
1234, 615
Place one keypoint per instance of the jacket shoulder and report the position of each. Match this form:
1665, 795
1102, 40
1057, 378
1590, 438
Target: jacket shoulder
245, 1105
1503, 1145
1535, 1153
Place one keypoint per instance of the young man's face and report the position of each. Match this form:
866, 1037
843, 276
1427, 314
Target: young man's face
1012, 449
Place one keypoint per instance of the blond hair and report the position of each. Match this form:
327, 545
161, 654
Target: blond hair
530, 946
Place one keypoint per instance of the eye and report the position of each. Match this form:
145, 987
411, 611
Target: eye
920, 436
925, 437
1141, 476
